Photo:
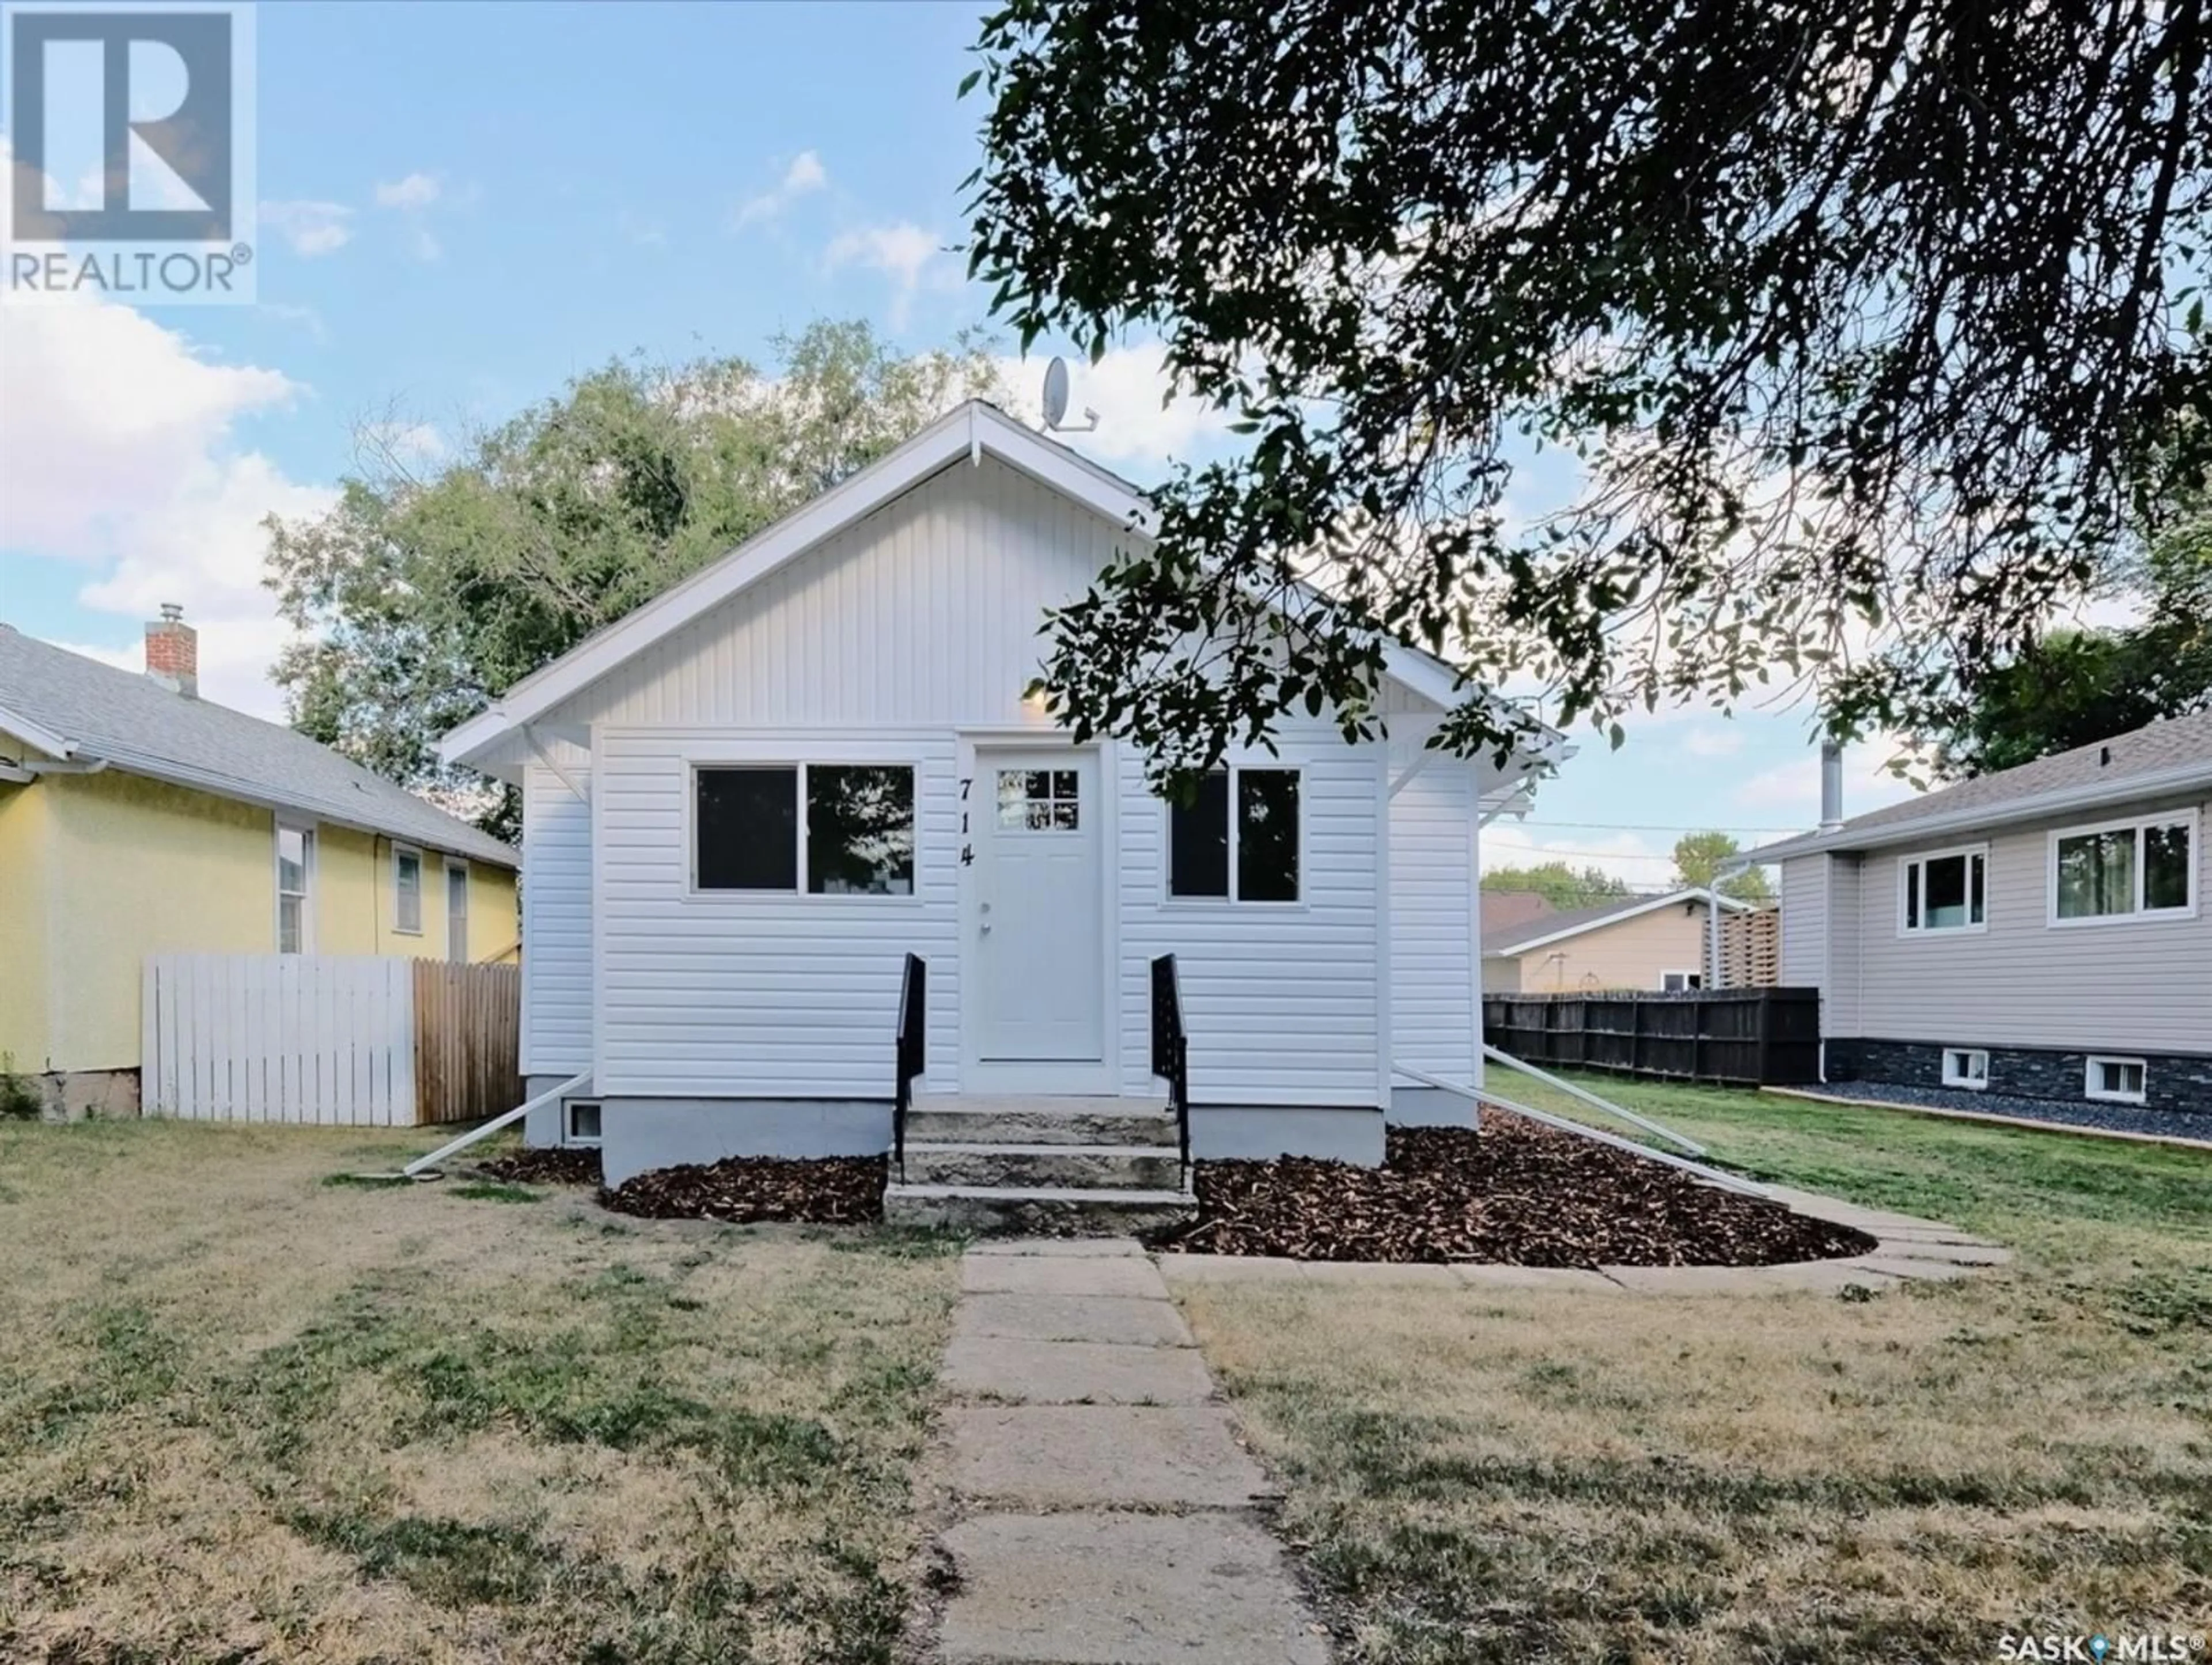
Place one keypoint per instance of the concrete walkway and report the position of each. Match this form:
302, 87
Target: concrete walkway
1103, 1512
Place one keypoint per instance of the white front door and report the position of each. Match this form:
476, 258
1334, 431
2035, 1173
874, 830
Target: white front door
1037, 929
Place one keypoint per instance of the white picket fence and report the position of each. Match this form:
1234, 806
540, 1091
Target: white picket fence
279, 1038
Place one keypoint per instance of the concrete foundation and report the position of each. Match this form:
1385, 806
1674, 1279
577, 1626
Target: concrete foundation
640, 1134
75, 1094
1261, 1132
1430, 1107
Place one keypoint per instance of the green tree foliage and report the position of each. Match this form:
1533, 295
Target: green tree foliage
422, 596
2074, 688
1561, 885
1872, 325
1699, 855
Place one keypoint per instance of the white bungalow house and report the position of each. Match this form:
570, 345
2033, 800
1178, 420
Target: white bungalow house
747, 803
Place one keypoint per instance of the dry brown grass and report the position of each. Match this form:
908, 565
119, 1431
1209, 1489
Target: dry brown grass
1514, 1476
246, 1415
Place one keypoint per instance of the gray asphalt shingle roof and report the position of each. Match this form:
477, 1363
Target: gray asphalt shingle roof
139, 726
2172, 743
1567, 921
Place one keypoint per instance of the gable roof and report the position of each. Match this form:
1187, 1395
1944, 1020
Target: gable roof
73, 707
969, 432
2171, 756
1547, 928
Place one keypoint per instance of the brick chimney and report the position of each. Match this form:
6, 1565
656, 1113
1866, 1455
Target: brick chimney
172, 652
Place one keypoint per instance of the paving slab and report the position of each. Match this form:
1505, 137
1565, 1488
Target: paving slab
1080, 1249
1229, 1268
1117, 1318
1101, 1456
1535, 1277
1123, 1589
1825, 1276
1075, 1373
1910, 1248
1365, 1272
1044, 1274
1917, 1270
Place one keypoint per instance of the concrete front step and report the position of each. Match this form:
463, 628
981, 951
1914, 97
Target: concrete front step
1035, 1208
970, 1120
1083, 1166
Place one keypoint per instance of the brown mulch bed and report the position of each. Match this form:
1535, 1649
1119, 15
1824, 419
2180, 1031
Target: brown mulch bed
827, 1191
1518, 1193
549, 1166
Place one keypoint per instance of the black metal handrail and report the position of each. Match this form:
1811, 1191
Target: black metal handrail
913, 1057
1171, 1048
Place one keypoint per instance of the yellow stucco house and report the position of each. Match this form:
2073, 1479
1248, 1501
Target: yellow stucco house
1637, 942
136, 818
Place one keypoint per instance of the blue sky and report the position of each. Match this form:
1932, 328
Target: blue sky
463, 205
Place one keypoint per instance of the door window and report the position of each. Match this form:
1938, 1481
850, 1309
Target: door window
1039, 800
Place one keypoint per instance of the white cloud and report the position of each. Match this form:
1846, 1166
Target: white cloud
803, 176
1793, 789
416, 190
1141, 418
1713, 740
407, 442
117, 454
426, 245
1623, 855
311, 229
904, 253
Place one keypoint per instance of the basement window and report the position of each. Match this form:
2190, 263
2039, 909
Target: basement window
1252, 855
583, 1126
1967, 1067
2118, 1080
847, 827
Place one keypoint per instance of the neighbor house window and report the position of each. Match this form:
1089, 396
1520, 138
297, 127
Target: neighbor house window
1238, 839
1965, 1066
2125, 868
847, 828
457, 910
406, 890
1680, 982
1945, 891
295, 862
2120, 1079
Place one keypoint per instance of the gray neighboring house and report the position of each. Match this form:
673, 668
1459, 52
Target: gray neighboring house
2039, 932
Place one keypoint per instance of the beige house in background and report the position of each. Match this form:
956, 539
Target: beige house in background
1637, 942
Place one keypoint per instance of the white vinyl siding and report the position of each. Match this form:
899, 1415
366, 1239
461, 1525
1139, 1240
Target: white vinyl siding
763, 993
2130, 984
1804, 951
1283, 1004
1433, 944
556, 919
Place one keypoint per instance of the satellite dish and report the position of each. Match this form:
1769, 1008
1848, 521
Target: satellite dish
1056, 401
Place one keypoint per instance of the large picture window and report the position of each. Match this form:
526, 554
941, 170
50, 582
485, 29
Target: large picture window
847, 828
1947, 890
1237, 840
2124, 868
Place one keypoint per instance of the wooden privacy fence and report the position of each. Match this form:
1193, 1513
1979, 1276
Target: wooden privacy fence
328, 1039
1746, 1036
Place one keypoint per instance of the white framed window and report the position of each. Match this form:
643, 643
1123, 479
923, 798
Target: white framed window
844, 829
581, 1122
407, 889
457, 909
1680, 982
1943, 890
1966, 1067
295, 879
2121, 1080
2144, 868
1239, 838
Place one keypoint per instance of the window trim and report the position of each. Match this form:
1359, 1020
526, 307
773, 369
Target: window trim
398, 929
2138, 915
1168, 896
279, 827
450, 866
1920, 859
1959, 1079
569, 1136
693, 891
2089, 1089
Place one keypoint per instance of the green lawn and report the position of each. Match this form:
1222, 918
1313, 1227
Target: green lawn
249, 1415
1501, 1476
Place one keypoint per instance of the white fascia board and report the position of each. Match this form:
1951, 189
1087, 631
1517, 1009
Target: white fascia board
1728, 905
2063, 800
36, 734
